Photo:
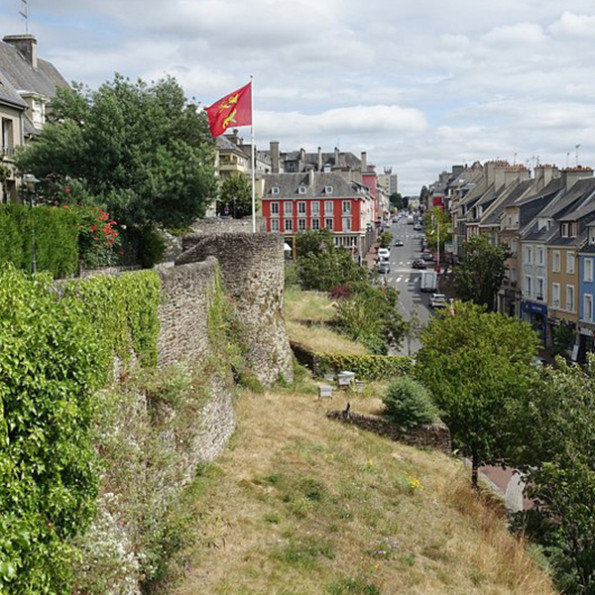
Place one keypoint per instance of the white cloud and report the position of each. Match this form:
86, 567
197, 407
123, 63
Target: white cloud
419, 85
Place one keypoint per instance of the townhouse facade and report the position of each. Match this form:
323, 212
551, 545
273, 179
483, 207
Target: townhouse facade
586, 320
335, 191
27, 86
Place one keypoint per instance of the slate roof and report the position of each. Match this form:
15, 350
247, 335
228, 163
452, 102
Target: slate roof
569, 199
508, 197
289, 183
24, 78
8, 94
224, 144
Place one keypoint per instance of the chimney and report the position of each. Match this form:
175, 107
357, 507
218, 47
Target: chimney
26, 45
336, 156
274, 147
545, 173
571, 175
364, 164
311, 177
319, 159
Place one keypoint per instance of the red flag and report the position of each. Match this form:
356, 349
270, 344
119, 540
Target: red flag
232, 110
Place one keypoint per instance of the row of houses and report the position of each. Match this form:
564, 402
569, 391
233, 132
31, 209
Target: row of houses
27, 85
302, 190
546, 218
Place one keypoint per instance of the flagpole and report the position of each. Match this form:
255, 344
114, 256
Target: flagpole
253, 168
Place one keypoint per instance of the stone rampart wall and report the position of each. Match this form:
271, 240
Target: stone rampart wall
252, 266
436, 435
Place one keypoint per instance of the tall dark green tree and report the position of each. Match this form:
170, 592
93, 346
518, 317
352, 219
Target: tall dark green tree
478, 367
482, 272
235, 197
141, 150
558, 435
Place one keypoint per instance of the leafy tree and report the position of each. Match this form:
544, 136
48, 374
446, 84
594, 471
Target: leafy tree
142, 151
559, 461
328, 268
477, 365
314, 242
482, 272
235, 194
437, 222
424, 195
412, 328
370, 315
396, 200
385, 239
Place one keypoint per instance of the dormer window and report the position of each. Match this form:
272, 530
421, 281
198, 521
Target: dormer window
303, 189
328, 189
275, 190
564, 230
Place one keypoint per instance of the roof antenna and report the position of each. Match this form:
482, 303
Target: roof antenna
576, 148
25, 14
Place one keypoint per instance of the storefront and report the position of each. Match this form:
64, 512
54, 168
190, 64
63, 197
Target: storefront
536, 315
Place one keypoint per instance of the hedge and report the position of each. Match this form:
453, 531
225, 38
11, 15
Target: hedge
366, 367
55, 354
56, 239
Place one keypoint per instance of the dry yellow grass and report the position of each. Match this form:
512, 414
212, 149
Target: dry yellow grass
302, 308
314, 306
299, 504
322, 339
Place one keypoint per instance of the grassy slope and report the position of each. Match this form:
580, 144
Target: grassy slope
299, 504
306, 312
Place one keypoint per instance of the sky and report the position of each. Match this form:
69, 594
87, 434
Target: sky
419, 85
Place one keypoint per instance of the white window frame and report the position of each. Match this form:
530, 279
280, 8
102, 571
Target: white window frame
555, 295
540, 256
528, 254
301, 224
570, 302
346, 207
346, 223
328, 220
528, 284
556, 261
570, 263
301, 208
588, 270
315, 208
328, 207
540, 288
288, 224
592, 235
588, 310
274, 209
275, 190
302, 189
274, 224
287, 208
315, 224
328, 189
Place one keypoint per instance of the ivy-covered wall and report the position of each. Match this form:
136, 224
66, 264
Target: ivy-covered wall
56, 352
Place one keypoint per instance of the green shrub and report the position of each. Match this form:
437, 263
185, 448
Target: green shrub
56, 237
151, 246
370, 315
56, 352
366, 367
48, 373
409, 404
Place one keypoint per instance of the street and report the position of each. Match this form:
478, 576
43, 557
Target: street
406, 279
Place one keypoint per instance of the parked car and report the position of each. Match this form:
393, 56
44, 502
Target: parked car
417, 227
438, 300
399, 243
384, 267
427, 256
419, 264
383, 254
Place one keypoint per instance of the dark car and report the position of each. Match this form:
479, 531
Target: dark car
419, 264
427, 256
398, 243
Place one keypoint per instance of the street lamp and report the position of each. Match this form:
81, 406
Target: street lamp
30, 180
